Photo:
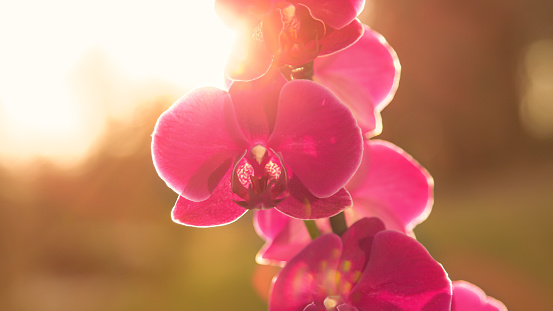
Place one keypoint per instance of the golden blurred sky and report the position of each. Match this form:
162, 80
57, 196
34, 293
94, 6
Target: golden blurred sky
56, 57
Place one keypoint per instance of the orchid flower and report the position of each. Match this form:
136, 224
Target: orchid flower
469, 297
294, 32
364, 76
389, 184
263, 144
367, 268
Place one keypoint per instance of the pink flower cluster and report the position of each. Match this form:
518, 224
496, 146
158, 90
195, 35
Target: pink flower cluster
291, 139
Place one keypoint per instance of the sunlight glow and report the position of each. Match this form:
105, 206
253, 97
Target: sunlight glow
53, 103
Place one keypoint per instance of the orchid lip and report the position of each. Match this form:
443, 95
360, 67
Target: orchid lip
260, 179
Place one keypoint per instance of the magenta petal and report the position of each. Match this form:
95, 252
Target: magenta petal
249, 60
391, 185
346, 308
285, 244
336, 40
357, 244
401, 275
217, 210
317, 137
334, 13
469, 297
268, 223
255, 103
195, 141
308, 277
364, 76
311, 307
441, 301
303, 205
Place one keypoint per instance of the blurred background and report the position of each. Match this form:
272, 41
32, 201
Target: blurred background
85, 220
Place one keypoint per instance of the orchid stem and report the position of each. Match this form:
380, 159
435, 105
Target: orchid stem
312, 229
338, 223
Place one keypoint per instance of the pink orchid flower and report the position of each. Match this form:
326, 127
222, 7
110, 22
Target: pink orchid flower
368, 268
263, 144
389, 184
364, 76
469, 297
293, 32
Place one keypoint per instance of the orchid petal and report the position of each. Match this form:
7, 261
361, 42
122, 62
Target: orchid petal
255, 103
288, 237
364, 76
441, 301
303, 205
335, 14
285, 236
469, 297
317, 137
345, 307
357, 244
195, 141
311, 307
401, 275
217, 210
269, 223
391, 185
337, 40
308, 277
293, 45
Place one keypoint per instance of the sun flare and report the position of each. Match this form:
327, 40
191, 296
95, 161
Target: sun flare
43, 111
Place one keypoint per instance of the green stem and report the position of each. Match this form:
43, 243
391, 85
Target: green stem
312, 229
338, 223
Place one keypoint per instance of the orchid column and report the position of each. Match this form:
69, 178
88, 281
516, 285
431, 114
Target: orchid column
291, 140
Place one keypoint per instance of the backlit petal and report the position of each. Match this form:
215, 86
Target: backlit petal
218, 209
308, 277
345, 307
401, 275
268, 223
364, 76
285, 236
469, 297
303, 205
195, 141
317, 136
255, 103
334, 13
391, 185
357, 244
337, 40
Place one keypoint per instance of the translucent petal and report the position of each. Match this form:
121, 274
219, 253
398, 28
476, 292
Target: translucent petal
317, 136
195, 141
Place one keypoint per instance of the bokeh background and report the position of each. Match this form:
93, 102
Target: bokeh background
84, 218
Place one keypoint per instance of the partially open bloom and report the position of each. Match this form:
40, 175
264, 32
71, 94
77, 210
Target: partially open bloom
389, 184
367, 268
263, 144
293, 32
469, 297
364, 76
